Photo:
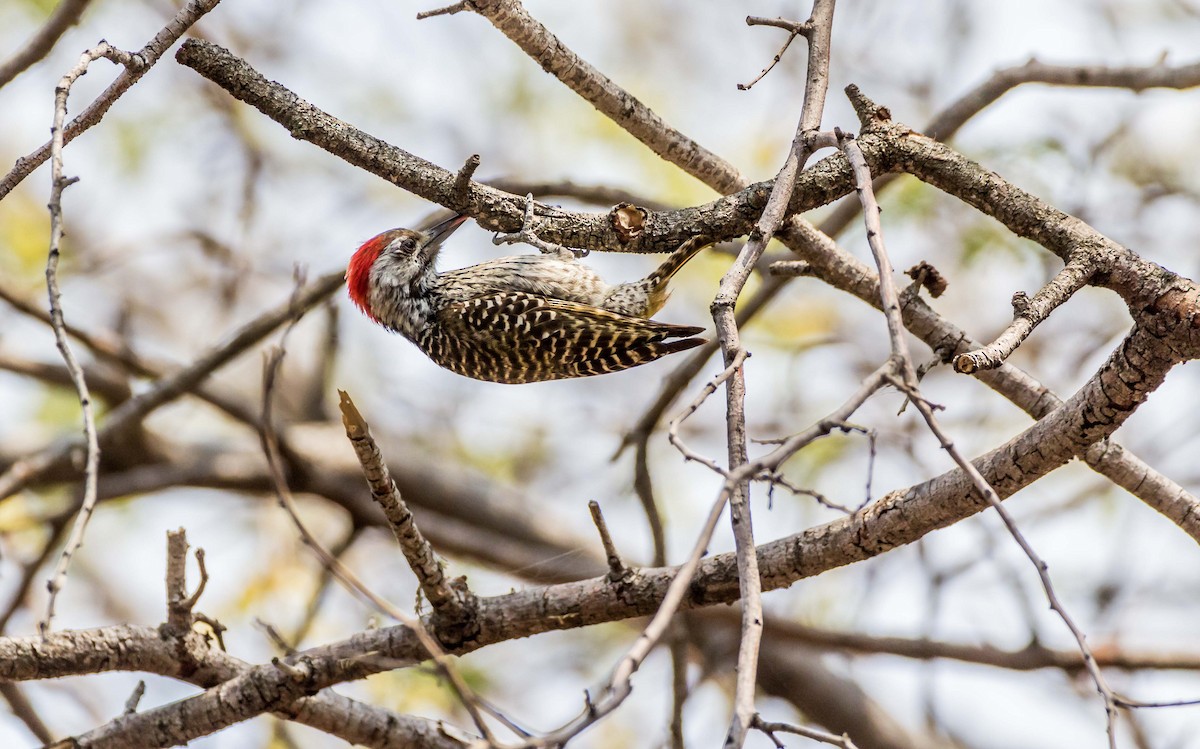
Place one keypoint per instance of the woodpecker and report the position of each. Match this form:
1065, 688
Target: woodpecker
525, 318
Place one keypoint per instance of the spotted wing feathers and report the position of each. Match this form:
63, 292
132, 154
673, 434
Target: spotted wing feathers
516, 337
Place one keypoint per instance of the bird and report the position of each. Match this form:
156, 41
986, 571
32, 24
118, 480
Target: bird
519, 319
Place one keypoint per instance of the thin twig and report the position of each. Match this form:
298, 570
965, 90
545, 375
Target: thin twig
462, 180
777, 480
194, 598
732, 284
770, 729
1027, 314
1131, 77
709, 388
616, 568
795, 30
449, 10
58, 183
769, 464
131, 704
803, 28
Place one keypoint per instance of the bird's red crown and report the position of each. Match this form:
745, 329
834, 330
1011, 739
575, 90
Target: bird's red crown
358, 272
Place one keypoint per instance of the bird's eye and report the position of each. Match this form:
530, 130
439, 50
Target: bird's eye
407, 245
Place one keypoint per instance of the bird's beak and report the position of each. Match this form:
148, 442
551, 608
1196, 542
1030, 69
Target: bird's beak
438, 233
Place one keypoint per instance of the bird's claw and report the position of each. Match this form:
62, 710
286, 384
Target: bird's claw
527, 236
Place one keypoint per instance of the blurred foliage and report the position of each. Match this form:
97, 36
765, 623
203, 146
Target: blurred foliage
797, 322
20, 515
423, 690
23, 238
37, 8
58, 409
985, 237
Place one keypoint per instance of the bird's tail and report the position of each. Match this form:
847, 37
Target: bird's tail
676, 260
656, 283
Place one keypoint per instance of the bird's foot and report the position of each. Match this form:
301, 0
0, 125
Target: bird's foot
527, 236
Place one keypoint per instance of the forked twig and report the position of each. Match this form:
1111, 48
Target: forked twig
795, 29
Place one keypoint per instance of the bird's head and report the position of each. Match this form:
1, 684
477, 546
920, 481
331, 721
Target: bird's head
399, 258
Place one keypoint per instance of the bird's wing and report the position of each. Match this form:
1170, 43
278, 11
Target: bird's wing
510, 336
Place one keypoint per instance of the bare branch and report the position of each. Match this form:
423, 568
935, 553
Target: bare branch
795, 29
1027, 314
732, 283
770, 729
452, 603
449, 10
907, 381
58, 183
351, 581
135, 697
617, 571
135, 648
1132, 77
462, 180
739, 359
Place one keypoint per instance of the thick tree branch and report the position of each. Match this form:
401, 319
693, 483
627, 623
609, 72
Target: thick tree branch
191, 658
493, 209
